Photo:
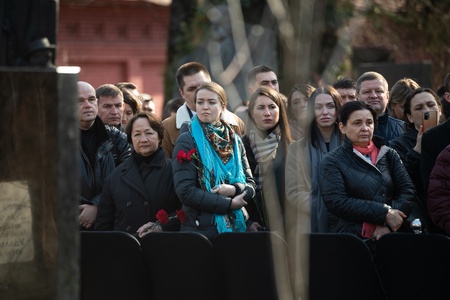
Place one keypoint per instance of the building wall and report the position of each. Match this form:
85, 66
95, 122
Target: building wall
116, 41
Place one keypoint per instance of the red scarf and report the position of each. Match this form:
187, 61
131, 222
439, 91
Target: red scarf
369, 149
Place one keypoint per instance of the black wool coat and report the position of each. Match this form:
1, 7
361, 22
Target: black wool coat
128, 202
434, 141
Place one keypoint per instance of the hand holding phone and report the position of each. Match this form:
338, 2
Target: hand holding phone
429, 119
368, 230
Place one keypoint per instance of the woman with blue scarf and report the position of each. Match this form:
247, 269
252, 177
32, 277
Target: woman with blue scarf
211, 172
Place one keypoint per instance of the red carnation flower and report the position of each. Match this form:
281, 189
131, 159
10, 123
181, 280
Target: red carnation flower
191, 154
162, 216
181, 215
181, 156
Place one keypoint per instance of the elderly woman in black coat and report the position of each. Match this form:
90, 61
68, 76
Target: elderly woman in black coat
137, 189
364, 183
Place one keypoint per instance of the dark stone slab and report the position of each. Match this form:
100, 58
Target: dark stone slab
38, 183
420, 72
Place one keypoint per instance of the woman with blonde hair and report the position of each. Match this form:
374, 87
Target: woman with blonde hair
211, 172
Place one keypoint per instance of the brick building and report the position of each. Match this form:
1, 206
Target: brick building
116, 40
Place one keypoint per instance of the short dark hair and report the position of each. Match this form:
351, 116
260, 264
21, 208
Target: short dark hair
108, 90
172, 106
440, 91
251, 75
445, 107
345, 83
447, 83
352, 106
189, 69
153, 120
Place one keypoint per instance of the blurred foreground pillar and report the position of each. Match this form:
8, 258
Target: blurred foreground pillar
39, 253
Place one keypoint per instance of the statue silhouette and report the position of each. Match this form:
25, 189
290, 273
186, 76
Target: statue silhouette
28, 32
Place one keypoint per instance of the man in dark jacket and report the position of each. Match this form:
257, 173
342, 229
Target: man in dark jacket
102, 149
439, 192
110, 105
434, 141
373, 88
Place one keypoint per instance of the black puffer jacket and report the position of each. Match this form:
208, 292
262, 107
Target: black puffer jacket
389, 128
355, 191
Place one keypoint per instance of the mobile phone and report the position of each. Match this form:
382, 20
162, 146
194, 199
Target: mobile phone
429, 119
368, 229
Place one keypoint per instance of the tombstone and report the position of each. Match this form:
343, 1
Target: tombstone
421, 72
39, 252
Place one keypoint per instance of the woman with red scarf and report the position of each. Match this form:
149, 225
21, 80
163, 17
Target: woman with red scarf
364, 183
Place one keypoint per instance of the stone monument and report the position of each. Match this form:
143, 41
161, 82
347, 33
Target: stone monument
38, 183
39, 253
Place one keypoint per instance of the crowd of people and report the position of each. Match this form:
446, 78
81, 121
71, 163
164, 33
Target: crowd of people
349, 157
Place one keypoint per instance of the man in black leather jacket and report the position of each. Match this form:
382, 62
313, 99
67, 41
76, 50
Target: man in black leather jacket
102, 149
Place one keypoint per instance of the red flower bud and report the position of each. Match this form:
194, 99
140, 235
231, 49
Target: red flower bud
191, 154
181, 215
162, 216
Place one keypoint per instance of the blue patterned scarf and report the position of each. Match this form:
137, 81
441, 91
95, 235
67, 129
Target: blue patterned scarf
230, 172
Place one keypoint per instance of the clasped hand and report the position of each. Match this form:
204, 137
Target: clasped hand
394, 218
225, 189
147, 228
88, 215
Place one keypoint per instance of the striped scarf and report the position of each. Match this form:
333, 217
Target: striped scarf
265, 150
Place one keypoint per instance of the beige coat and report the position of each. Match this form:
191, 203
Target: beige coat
298, 187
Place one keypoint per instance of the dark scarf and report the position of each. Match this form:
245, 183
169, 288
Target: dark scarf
144, 162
